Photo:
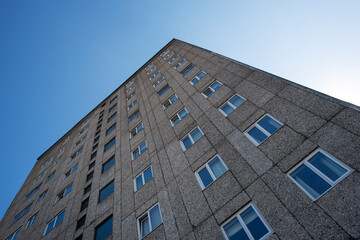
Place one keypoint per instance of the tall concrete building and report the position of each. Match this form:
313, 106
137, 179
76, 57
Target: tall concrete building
195, 145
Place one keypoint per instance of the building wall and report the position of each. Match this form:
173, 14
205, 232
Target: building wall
256, 174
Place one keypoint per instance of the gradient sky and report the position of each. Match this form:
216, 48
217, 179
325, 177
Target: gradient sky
59, 59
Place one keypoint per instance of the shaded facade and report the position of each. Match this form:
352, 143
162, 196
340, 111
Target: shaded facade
195, 145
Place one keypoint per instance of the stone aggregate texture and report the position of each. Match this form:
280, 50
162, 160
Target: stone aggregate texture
257, 174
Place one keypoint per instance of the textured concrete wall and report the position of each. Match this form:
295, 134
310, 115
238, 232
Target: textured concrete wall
256, 174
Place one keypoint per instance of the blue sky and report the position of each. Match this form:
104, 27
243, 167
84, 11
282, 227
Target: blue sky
59, 59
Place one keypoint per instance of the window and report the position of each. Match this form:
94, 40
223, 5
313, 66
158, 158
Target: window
98, 132
33, 191
106, 191
163, 90
230, 105
94, 147
80, 222
63, 193
171, 53
31, 221
70, 171
191, 138
211, 89
134, 115
79, 237
48, 161
170, 101
51, 176
149, 221
130, 88
113, 107
89, 176
57, 161
63, 148
110, 129
262, 129
129, 82
133, 104
131, 95
42, 196
80, 141
180, 115
14, 235
84, 204
197, 78
93, 155
210, 171
113, 99
153, 69
108, 164
172, 60
164, 53
76, 154
246, 224
179, 64
104, 229
87, 189
53, 223
318, 173
109, 144
22, 213
143, 178
91, 165
136, 130
159, 81
41, 175
112, 117
157, 73
140, 149
187, 69
98, 127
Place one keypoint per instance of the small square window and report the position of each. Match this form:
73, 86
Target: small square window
91, 165
149, 221
106, 191
93, 155
230, 105
246, 224
109, 144
191, 138
30, 222
108, 164
178, 117
163, 90
180, 63
112, 117
262, 129
104, 229
159, 81
318, 173
140, 149
42, 196
132, 104
171, 53
157, 73
113, 100
84, 204
110, 129
134, 115
170, 101
89, 176
197, 78
136, 130
210, 171
54, 222
211, 89
174, 58
80, 222
187, 69
143, 178
87, 189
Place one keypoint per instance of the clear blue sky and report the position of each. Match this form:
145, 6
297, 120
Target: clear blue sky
59, 59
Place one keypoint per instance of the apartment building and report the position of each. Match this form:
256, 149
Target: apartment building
195, 145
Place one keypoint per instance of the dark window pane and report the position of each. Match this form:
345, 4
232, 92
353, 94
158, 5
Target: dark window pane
147, 175
227, 109
254, 223
89, 176
187, 143
327, 166
108, 164
106, 191
236, 101
217, 167
80, 222
155, 217
234, 230
110, 144
104, 230
258, 135
205, 177
269, 124
139, 182
84, 204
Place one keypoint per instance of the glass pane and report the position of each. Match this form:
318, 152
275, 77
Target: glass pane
187, 143
227, 109
196, 134
195, 80
139, 128
258, 135
234, 230
215, 85
236, 101
136, 153
205, 177
173, 99
175, 120
200, 75
106, 191
68, 189
327, 166
143, 147
217, 167
310, 181
60, 218
50, 226
207, 92
183, 113
148, 175
269, 124
155, 217
254, 223
104, 230
139, 182
145, 227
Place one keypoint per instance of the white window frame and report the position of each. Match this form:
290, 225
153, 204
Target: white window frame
64, 193
14, 235
147, 213
261, 129
133, 104
159, 81
31, 220
230, 104
178, 116
169, 101
138, 149
212, 89
55, 223
153, 69
190, 137
136, 130
206, 165
155, 75
243, 225
196, 77
174, 58
171, 53
319, 173
142, 178
180, 63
